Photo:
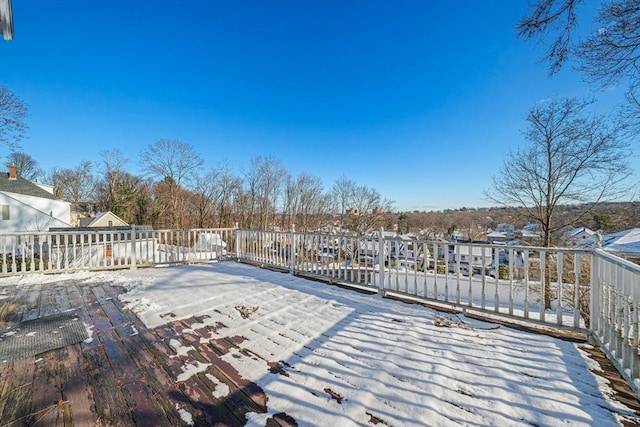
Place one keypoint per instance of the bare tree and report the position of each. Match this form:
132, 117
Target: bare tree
110, 187
469, 226
570, 157
264, 180
206, 192
308, 190
370, 207
13, 115
26, 165
118, 190
555, 19
227, 186
290, 202
271, 175
343, 191
75, 185
173, 162
251, 194
610, 54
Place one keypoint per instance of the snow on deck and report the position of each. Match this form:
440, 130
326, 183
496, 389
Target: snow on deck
345, 358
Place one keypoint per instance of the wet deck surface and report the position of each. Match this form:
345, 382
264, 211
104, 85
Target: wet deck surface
125, 374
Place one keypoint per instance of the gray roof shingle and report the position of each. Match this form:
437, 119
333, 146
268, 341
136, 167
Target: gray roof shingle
22, 186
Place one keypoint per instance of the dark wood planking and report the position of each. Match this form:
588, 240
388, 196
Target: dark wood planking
76, 392
16, 381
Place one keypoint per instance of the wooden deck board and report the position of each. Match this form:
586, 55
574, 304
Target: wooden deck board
16, 391
110, 403
143, 406
32, 303
76, 392
47, 404
157, 380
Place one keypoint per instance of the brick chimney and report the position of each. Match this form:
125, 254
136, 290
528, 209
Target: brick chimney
13, 172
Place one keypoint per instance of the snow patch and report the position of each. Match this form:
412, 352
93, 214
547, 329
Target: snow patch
179, 348
185, 415
189, 370
256, 420
89, 329
220, 389
139, 305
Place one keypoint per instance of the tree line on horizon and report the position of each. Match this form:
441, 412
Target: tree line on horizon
175, 191
222, 198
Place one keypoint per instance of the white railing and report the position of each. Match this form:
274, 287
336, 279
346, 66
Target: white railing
615, 295
497, 279
584, 290
64, 251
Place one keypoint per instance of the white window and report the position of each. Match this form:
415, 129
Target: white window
4, 212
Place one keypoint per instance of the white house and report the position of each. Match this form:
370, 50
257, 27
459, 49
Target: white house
582, 237
475, 257
27, 206
502, 233
624, 243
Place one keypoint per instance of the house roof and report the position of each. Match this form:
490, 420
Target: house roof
23, 186
576, 231
626, 241
90, 222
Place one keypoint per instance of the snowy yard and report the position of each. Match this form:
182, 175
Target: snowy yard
346, 358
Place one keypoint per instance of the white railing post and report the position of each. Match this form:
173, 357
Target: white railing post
594, 294
291, 251
133, 247
381, 261
237, 242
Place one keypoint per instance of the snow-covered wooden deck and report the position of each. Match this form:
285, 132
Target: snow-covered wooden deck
184, 369
126, 375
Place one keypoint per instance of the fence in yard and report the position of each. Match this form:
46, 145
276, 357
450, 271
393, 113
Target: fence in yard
65, 251
583, 290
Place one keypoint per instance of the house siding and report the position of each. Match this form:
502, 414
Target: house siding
29, 213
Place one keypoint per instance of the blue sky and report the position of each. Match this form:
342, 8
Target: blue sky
420, 100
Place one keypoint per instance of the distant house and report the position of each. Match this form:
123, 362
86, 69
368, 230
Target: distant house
475, 258
503, 233
29, 206
530, 234
582, 237
623, 243
103, 219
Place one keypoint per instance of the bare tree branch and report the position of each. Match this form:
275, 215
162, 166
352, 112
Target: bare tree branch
13, 115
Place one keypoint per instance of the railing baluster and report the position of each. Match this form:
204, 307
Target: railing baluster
470, 272
457, 272
525, 269
634, 364
577, 271
559, 271
543, 281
